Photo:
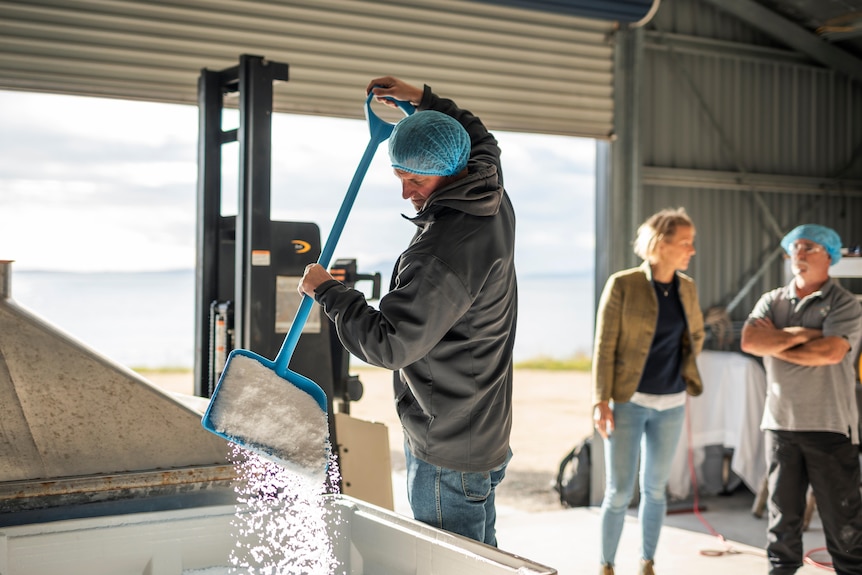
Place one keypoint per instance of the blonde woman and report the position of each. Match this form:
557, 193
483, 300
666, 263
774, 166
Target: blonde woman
649, 329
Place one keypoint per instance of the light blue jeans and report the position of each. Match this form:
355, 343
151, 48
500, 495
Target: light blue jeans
653, 435
456, 501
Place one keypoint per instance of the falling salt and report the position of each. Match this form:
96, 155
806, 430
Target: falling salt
282, 521
270, 415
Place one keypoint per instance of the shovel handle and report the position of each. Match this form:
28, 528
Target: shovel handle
376, 125
380, 131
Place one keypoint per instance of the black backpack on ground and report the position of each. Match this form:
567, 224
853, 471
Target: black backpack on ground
573, 478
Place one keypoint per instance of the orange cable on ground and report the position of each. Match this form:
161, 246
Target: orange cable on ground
825, 566
728, 549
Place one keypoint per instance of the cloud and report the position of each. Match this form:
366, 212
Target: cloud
107, 185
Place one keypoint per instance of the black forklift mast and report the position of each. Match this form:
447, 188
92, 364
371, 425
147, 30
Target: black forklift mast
253, 81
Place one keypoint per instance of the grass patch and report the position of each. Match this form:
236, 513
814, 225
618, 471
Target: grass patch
167, 369
578, 362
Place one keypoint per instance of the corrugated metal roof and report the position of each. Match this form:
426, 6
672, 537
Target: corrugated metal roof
526, 70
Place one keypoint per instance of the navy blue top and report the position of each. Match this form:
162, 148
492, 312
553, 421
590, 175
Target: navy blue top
661, 373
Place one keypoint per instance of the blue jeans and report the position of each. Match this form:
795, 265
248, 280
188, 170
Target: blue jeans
653, 435
456, 501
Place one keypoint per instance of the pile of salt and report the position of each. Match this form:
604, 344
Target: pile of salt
269, 415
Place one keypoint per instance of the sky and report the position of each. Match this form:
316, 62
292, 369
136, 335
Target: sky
91, 184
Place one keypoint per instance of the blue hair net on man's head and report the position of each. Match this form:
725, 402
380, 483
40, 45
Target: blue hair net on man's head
429, 143
826, 237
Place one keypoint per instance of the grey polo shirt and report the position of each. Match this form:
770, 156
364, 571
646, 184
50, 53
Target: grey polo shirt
812, 398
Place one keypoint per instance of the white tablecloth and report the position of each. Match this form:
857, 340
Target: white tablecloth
727, 413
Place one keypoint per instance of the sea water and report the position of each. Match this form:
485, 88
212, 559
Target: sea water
146, 319
136, 319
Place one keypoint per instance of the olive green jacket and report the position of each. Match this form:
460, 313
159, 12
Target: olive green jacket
625, 326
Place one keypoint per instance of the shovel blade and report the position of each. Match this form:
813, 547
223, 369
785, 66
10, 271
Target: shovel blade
281, 417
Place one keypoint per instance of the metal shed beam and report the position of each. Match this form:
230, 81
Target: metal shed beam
794, 36
745, 181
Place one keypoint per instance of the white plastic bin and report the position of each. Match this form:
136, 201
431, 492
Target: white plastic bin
366, 539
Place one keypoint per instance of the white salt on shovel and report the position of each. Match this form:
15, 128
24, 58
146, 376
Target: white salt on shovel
286, 423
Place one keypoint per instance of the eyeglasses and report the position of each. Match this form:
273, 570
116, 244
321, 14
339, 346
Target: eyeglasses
806, 249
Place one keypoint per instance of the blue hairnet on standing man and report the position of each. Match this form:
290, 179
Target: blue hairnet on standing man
807, 333
447, 325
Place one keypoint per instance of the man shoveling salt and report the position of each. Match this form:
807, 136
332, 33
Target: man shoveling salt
287, 423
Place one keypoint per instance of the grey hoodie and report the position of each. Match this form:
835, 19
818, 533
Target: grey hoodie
447, 324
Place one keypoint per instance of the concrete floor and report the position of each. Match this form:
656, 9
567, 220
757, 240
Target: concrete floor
724, 537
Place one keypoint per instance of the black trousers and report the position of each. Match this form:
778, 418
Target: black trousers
830, 463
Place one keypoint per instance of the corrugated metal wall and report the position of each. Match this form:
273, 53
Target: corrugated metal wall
526, 70
751, 139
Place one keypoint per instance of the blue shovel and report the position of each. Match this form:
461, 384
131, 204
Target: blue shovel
250, 406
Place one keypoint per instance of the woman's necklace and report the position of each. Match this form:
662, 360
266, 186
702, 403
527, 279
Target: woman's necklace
663, 287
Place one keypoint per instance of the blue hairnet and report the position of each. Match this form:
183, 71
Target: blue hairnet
826, 237
429, 143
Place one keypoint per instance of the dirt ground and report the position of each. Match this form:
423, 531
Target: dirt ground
551, 415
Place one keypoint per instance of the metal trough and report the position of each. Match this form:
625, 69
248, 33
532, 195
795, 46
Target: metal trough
82, 435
